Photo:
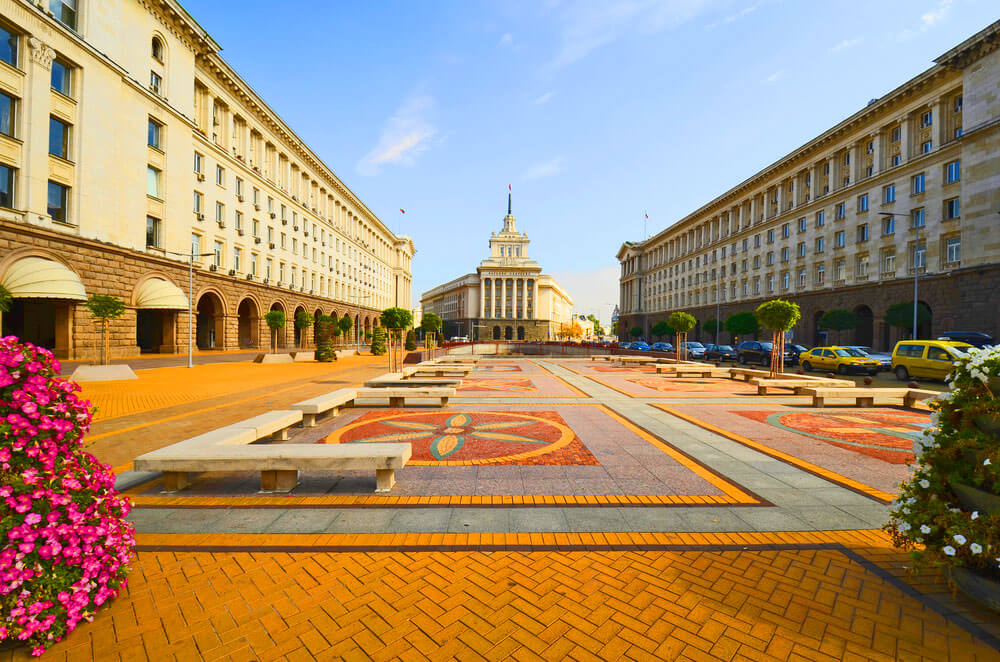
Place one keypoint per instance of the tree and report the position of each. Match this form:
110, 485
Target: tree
396, 318
711, 326
615, 328
779, 316
598, 329
431, 323
661, 329
326, 331
378, 341
681, 323
635, 331
105, 307
275, 320
838, 320
411, 341
741, 324
303, 321
901, 315
5, 299
345, 323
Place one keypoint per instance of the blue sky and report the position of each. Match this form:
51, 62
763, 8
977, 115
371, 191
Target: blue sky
594, 112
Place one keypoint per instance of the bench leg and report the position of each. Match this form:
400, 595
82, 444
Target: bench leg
866, 402
800, 390
395, 402
761, 390
174, 481
281, 435
278, 481
909, 401
817, 402
384, 479
444, 402
308, 420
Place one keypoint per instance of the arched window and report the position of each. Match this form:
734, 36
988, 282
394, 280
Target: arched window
157, 49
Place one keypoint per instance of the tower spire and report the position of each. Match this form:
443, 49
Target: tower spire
508, 204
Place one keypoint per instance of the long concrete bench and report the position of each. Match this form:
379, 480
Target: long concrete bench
746, 374
865, 397
638, 360
327, 403
398, 382
602, 357
279, 465
398, 396
798, 385
442, 371
272, 424
687, 369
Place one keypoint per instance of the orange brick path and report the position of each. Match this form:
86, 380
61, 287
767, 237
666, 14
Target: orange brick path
802, 603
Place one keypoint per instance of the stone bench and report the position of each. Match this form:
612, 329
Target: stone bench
746, 374
399, 382
279, 465
398, 396
272, 424
602, 357
442, 371
687, 369
798, 385
638, 360
326, 403
865, 397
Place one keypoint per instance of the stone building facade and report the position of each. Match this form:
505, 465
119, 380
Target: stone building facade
910, 182
508, 298
129, 148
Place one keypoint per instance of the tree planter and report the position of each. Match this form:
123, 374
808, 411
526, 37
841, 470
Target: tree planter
975, 499
980, 588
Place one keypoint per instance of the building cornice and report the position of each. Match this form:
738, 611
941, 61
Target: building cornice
974, 48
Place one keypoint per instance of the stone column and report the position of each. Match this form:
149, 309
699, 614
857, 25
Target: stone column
814, 187
482, 299
535, 301
904, 140
937, 123
524, 298
35, 107
503, 298
878, 156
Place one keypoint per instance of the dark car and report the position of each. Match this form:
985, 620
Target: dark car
753, 351
641, 346
720, 353
662, 347
974, 338
795, 350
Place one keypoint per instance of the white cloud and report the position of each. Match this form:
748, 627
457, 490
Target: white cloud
545, 98
732, 18
775, 76
545, 169
844, 45
928, 20
591, 24
507, 40
404, 135
593, 292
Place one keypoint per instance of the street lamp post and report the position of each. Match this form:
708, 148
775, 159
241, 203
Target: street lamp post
357, 318
916, 268
192, 255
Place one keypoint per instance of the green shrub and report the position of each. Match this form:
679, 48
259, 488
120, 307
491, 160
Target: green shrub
378, 341
411, 341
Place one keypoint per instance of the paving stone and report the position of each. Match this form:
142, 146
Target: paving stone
304, 520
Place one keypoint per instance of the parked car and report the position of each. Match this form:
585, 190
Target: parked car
796, 351
662, 347
926, 358
720, 353
842, 360
641, 346
974, 338
753, 351
694, 350
885, 360
624, 345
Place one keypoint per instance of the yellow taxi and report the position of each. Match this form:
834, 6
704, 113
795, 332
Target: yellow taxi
926, 358
842, 360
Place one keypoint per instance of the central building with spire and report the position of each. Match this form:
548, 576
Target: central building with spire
507, 298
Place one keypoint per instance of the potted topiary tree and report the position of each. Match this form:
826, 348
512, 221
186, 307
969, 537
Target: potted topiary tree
948, 513
635, 331
661, 329
681, 323
104, 308
67, 542
303, 321
276, 321
345, 323
431, 324
780, 317
741, 324
378, 341
900, 315
411, 340
395, 320
838, 320
326, 331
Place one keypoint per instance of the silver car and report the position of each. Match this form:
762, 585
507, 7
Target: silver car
885, 360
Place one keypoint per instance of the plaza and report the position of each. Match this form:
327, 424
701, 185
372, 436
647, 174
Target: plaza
557, 508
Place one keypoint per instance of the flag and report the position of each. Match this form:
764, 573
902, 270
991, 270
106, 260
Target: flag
508, 187
402, 211
647, 217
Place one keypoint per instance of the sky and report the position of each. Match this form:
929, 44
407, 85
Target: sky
595, 113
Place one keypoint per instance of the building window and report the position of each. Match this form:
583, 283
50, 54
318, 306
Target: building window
953, 172
58, 138
896, 132
256, 228
917, 218
220, 175
62, 77
770, 283
839, 239
802, 277
889, 193
152, 182
917, 184
267, 268
217, 253
770, 236
820, 244
841, 211
861, 266
926, 119
153, 134
156, 49
820, 219
784, 254
889, 261
863, 202
198, 202
155, 83
820, 274
239, 220
746, 245
253, 263
889, 225
8, 114
7, 186
8, 47
925, 147
953, 250
237, 258
58, 202
862, 233
802, 249
64, 11
195, 246
896, 159
786, 280
951, 209
802, 228
220, 212
770, 258
239, 187
152, 232
919, 257
198, 163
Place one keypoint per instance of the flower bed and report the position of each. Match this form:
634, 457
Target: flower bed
945, 513
66, 542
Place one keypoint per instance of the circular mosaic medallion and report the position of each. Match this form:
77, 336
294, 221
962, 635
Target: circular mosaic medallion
462, 437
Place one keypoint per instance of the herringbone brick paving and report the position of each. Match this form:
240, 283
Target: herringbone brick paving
733, 604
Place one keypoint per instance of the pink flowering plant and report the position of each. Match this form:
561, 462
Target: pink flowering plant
66, 542
957, 455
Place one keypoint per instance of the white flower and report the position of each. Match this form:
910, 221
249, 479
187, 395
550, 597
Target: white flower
904, 526
924, 528
949, 550
906, 511
959, 538
975, 548
925, 483
919, 539
987, 462
975, 514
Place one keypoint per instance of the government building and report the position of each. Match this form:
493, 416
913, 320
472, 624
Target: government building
911, 181
127, 145
508, 298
